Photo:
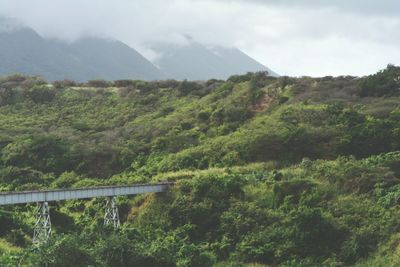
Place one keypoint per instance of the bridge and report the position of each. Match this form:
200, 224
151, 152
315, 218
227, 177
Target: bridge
42, 228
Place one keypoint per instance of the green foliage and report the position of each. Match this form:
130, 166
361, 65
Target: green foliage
385, 82
66, 180
269, 171
7, 222
98, 83
64, 84
187, 87
7, 96
44, 153
40, 94
292, 189
15, 177
65, 251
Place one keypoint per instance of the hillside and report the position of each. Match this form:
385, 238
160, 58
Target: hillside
269, 171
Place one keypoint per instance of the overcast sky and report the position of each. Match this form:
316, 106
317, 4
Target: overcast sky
292, 37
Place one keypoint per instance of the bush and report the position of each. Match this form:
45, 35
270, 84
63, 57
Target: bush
187, 87
14, 177
203, 116
43, 153
65, 251
64, 84
98, 83
385, 82
240, 78
124, 83
41, 94
293, 189
20, 81
7, 96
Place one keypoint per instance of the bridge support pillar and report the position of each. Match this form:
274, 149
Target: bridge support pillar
42, 229
111, 215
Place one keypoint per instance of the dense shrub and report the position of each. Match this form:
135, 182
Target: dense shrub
98, 83
64, 84
15, 176
44, 153
40, 94
187, 87
385, 82
7, 96
124, 83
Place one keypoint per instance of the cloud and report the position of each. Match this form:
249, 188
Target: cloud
365, 7
9, 25
302, 37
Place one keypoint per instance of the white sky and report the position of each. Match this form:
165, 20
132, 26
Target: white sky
292, 37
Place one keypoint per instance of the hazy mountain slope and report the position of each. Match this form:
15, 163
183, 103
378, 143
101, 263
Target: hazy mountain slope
195, 61
108, 59
238, 62
22, 50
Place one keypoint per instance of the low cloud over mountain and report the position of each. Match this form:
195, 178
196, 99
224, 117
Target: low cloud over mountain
22, 50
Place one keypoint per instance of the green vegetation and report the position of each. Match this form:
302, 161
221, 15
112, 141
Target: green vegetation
269, 171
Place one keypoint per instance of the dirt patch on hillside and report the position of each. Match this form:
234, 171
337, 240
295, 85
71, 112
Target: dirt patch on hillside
263, 103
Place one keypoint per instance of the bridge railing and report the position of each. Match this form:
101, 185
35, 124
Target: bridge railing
10, 198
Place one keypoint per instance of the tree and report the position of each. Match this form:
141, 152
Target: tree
65, 251
187, 87
41, 94
43, 153
385, 82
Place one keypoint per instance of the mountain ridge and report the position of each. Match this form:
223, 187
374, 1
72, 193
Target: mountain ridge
23, 50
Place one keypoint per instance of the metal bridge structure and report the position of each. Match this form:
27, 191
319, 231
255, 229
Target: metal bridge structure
42, 228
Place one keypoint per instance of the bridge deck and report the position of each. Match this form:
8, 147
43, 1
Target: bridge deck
9, 198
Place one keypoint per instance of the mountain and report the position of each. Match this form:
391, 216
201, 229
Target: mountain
238, 62
111, 60
194, 61
24, 51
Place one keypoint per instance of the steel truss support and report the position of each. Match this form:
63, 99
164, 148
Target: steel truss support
42, 229
111, 215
